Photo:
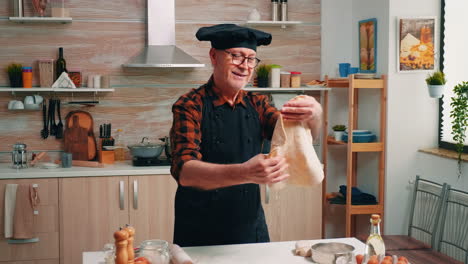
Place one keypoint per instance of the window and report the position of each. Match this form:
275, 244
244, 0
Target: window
453, 59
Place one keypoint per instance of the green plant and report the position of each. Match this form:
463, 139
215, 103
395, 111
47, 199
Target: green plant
436, 78
339, 128
263, 70
459, 115
14, 68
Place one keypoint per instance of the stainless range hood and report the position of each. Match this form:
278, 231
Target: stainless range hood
161, 50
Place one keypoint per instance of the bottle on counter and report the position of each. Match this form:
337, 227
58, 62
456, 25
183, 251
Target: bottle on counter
375, 244
60, 64
275, 7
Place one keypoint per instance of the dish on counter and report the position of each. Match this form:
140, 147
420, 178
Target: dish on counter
332, 253
49, 165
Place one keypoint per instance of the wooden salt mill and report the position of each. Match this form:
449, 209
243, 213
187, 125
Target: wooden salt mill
131, 253
121, 253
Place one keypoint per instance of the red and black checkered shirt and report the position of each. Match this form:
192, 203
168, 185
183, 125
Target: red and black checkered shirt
187, 116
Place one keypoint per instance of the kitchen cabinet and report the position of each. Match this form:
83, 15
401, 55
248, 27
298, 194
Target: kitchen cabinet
153, 217
294, 213
45, 224
93, 208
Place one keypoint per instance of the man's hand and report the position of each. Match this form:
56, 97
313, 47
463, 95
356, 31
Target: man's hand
263, 170
303, 109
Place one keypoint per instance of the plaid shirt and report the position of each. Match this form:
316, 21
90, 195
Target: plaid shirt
187, 117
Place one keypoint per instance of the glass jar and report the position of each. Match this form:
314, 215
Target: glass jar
156, 251
58, 9
296, 79
285, 79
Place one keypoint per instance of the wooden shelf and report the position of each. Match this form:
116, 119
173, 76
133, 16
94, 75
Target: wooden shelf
338, 83
333, 141
63, 20
368, 83
65, 90
367, 147
269, 89
366, 209
283, 24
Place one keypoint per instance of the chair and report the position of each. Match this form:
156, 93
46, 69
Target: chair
425, 212
453, 238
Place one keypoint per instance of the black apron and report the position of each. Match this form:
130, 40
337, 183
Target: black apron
230, 215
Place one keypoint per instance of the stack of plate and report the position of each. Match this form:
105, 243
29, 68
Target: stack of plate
364, 75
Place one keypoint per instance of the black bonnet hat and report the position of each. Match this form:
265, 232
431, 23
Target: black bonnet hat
226, 36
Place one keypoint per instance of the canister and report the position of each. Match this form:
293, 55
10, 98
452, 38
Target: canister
284, 10
275, 76
275, 7
46, 72
27, 77
296, 79
285, 79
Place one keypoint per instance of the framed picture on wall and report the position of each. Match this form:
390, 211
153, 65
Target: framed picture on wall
416, 44
368, 45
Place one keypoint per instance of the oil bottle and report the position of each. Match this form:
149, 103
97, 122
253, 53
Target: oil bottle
375, 244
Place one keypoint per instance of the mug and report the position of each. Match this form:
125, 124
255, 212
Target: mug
30, 100
18, 105
344, 69
11, 103
39, 99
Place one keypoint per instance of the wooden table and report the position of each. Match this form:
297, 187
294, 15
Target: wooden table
424, 256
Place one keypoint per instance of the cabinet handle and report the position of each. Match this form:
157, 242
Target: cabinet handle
267, 194
135, 194
121, 195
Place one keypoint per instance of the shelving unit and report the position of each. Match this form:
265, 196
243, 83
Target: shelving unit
63, 20
353, 85
56, 90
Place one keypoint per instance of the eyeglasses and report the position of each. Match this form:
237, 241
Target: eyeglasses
238, 59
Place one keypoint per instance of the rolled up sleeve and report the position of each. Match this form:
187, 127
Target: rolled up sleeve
185, 134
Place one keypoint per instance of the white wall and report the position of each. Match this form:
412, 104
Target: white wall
412, 117
412, 125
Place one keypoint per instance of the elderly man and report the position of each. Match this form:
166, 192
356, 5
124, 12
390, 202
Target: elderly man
217, 135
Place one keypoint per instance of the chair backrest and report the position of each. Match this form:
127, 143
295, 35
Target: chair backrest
425, 210
453, 238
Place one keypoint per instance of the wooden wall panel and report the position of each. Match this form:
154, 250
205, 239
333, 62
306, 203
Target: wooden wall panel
106, 34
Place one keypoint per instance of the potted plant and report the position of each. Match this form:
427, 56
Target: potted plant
436, 84
14, 71
262, 72
459, 115
339, 131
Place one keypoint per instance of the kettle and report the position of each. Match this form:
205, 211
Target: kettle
19, 156
167, 146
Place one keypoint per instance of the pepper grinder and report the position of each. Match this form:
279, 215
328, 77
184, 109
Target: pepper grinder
131, 253
121, 253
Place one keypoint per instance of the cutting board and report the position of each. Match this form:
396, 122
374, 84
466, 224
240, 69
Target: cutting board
79, 135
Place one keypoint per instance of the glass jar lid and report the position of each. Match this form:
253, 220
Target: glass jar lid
19, 146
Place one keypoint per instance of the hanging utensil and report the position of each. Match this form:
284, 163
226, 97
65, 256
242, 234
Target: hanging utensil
45, 130
50, 117
59, 132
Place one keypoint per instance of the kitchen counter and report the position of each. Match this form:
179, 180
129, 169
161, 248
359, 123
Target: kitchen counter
261, 253
124, 168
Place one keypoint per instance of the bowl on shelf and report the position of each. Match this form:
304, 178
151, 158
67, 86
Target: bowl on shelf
361, 136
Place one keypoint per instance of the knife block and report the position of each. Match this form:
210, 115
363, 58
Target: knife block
106, 156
